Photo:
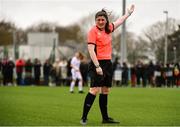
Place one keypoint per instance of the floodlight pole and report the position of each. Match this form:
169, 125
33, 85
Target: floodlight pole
54, 44
123, 46
166, 39
175, 56
14, 44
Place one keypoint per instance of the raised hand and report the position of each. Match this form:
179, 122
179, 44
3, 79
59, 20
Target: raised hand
130, 9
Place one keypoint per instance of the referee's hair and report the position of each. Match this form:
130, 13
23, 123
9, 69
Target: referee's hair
104, 13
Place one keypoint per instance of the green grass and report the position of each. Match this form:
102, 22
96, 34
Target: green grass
56, 106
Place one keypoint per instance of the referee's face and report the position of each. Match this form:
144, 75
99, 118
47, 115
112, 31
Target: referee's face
101, 22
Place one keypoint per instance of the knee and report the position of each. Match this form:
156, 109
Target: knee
94, 90
73, 80
105, 90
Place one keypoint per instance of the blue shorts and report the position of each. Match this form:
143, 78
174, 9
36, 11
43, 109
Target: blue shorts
101, 80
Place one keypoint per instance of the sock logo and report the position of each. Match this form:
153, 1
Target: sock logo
88, 105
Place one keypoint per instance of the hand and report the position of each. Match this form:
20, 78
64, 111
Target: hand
77, 69
99, 71
130, 9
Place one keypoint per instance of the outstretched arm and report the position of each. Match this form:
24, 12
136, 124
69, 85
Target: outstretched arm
119, 21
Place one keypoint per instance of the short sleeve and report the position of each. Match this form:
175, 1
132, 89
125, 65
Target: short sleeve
73, 61
111, 27
91, 37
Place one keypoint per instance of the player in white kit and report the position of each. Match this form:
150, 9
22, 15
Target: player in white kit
75, 71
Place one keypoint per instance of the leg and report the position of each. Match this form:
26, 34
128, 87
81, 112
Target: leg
73, 82
80, 86
103, 100
103, 103
90, 97
80, 83
72, 85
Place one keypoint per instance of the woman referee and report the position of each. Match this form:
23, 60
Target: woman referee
100, 69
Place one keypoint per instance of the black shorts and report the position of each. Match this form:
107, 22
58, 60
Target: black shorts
101, 80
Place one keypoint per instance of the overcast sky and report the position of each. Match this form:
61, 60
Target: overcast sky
64, 12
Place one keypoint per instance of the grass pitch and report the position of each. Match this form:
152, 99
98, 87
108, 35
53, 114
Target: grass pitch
55, 106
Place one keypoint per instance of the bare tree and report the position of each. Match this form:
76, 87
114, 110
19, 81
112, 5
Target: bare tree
6, 32
154, 35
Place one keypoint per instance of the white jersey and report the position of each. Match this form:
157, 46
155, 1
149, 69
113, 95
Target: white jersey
75, 70
75, 63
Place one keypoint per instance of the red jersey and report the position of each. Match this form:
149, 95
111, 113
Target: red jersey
102, 42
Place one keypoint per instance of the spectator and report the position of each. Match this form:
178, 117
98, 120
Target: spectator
117, 72
46, 71
116, 64
10, 70
84, 71
144, 75
157, 74
0, 71
28, 72
139, 72
37, 71
125, 71
163, 75
133, 76
176, 73
7, 71
150, 73
69, 76
56, 72
169, 75
19, 71
63, 68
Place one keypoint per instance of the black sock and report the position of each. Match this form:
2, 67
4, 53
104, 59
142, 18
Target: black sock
87, 104
103, 98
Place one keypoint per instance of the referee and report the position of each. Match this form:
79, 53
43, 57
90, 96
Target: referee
100, 69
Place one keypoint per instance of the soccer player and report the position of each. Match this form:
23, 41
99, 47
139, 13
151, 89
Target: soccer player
100, 69
75, 71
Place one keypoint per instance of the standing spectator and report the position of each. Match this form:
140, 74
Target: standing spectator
56, 72
139, 72
84, 71
117, 72
19, 71
75, 71
28, 72
150, 73
176, 74
169, 75
125, 71
63, 68
157, 74
10, 70
99, 46
0, 71
144, 75
116, 64
69, 76
46, 71
37, 71
5, 73
133, 76
163, 75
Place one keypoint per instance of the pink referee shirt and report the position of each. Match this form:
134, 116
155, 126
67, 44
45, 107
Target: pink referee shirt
102, 41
